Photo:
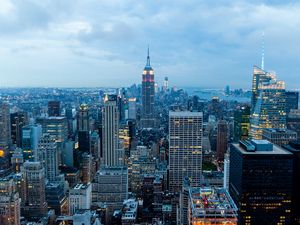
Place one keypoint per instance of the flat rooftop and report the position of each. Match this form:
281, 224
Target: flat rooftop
81, 186
185, 114
206, 201
277, 150
129, 209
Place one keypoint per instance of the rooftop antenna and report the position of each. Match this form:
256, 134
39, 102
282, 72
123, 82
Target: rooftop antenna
263, 52
148, 57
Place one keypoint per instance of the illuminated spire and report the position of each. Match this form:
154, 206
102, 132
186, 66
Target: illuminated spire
263, 52
148, 58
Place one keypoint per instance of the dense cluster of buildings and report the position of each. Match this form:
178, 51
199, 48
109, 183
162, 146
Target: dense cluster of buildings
150, 155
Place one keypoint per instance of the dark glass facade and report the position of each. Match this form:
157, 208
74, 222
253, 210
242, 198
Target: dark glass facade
261, 185
292, 98
294, 147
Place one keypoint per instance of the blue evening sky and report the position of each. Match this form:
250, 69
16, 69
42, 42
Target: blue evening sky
212, 43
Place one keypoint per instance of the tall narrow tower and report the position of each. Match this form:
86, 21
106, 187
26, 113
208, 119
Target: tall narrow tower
110, 128
185, 148
148, 92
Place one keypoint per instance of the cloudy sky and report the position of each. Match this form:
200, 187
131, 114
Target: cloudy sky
196, 43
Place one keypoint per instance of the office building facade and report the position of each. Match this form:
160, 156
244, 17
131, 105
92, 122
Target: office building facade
268, 103
185, 148
260, 182
110, 130
35, 205
54, 108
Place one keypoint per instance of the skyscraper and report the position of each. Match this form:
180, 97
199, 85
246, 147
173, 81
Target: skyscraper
260, 182
17, 120
56, 127
31, 135
48, 155
35, 200
222, 139
292, 99
54, 108
83, 129
132, 108
268, 103
148, 92
5, 133
241, 124
110, 130
185, 148
294, 148
166, 84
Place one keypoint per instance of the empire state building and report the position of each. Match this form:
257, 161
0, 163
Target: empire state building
148, 117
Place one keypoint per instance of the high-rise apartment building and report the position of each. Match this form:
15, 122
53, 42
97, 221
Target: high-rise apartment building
54, 108
35, 205
268, 103
261, 182
185, 148
222, 139
110, 130
9, 203
148, 93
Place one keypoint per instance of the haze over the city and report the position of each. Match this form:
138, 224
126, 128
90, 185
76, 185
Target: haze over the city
104, 42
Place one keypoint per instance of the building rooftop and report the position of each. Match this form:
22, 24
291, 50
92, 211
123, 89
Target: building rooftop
81, 186
185, 113
52, 117
259, 147
208, 202
112, 170
129, 209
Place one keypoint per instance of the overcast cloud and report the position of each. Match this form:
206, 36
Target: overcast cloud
195, 43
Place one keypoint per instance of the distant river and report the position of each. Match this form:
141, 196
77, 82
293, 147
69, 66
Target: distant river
207, 94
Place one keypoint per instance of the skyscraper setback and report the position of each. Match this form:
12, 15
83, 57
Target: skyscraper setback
148, 92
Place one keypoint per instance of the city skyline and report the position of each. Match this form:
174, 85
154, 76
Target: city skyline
104, 44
